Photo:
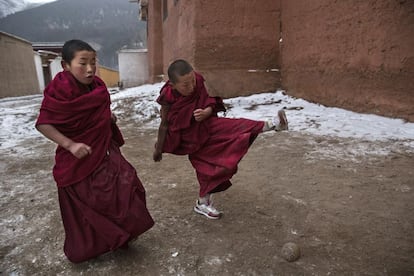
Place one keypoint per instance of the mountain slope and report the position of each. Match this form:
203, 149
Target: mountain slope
108, 25
11, 6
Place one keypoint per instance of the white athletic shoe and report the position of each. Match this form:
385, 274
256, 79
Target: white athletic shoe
280, 122
207, 210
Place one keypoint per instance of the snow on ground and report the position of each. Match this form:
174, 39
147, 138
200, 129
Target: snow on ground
138, 105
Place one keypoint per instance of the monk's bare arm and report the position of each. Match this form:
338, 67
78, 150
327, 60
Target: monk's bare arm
79, 150
162, 133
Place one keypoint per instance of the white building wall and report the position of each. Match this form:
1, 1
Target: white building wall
39, 71
133, 67
55, 66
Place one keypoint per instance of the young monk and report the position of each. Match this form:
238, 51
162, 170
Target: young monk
214, 145
102, 201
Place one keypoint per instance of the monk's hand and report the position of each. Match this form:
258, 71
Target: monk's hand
157, 156
80, 150
202, 114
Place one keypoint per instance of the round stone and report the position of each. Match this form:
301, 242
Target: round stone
290, 251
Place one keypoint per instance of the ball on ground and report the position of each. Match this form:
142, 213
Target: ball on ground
290, 251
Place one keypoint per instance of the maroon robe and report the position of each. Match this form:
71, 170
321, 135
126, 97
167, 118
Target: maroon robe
102, 200
214, 146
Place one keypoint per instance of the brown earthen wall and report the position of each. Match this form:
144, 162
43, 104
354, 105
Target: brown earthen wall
155, 41
237, 45
178, 28
234, 44
353, 54
17, 67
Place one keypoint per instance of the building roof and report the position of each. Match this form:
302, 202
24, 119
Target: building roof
48, 46
15, 37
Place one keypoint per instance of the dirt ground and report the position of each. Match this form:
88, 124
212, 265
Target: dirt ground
350, 213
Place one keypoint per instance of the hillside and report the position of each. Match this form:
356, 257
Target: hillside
12, 6
108, 25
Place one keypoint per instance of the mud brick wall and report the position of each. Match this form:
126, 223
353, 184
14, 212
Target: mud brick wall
17, 67
154, 41
354, 54
179, 36
238, 45
234, 44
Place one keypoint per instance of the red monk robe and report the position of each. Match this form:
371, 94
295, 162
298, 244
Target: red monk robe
214, 146
102, 200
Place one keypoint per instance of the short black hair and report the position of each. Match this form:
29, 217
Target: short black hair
72, 46
178, 68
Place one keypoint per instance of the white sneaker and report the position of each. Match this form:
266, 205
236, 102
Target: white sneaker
207, 210
280, 122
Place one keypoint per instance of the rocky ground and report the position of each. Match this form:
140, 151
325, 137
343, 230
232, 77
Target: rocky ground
350, 212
